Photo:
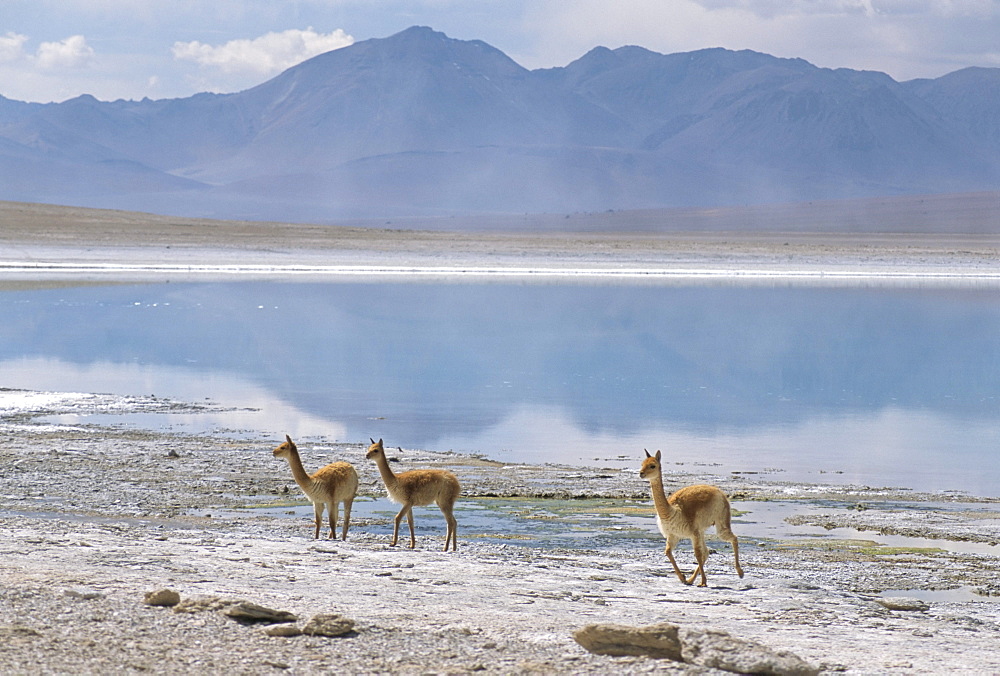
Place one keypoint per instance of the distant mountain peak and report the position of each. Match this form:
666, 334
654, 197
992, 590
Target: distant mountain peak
418, 33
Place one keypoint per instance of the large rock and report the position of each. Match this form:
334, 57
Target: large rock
655, 640
701, 647
201, 604
719, 650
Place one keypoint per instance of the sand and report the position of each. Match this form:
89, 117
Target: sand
92, 518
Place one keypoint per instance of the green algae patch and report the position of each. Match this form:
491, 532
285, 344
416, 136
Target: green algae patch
885, 550
274, 504
820, 542
861, 547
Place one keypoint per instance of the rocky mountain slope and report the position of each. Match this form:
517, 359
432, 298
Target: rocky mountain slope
420, 124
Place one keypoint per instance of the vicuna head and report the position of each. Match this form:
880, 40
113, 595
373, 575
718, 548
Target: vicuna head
286, 449
375, 449
650, 466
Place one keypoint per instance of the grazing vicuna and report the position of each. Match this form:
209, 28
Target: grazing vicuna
337, 482
416, 488
686, 514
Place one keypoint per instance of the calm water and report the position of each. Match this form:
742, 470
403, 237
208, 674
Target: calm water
878, 386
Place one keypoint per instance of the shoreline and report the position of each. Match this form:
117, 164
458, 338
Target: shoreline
56, 242
206, 271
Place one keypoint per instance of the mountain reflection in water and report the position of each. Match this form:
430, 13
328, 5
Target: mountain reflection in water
890, 386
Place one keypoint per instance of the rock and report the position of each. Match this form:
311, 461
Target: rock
85, 594
17, 634
328, 625
719, 650
162, 597
201, 604
286, 630
700, 647
655, 640
247, 612
902, 603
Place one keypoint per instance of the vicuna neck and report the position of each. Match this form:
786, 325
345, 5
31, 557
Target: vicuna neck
298, 471
383, 468
663, 506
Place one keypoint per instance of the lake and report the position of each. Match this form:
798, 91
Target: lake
878, 385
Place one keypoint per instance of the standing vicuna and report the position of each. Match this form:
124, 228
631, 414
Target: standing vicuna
417, 488
337, 482
686, 514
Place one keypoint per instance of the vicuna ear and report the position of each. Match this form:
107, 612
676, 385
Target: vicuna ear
372, 440
647, 453
657, 455
288, 439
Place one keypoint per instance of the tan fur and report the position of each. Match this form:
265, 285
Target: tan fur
335, 483
416, 488
686, 514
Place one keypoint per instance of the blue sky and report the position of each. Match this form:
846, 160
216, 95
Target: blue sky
51, 50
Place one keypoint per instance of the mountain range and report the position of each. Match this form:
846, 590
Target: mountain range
419, 124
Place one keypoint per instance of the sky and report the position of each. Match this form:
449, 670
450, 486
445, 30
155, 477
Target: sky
53, 50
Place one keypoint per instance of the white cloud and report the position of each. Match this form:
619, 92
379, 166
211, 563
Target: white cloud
12, 47
266, 55
73, 52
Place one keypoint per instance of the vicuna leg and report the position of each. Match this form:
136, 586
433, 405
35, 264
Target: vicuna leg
395, 526
347, 515
332, 508
318, 512
669, 551
451, 536
701, 556
726, 534
408, 511
409, 521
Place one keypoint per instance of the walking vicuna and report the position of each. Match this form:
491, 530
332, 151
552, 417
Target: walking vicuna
686, 514
337, 482
416, 488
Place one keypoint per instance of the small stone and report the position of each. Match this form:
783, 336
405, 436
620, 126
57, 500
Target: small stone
656, 640
328, 625
162, 597
17, 634
286, 630
85, 594
247, 612
902, 603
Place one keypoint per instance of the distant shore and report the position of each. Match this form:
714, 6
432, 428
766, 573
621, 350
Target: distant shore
50, 241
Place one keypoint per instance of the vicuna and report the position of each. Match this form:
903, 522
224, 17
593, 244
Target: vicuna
337, 482
416, 488
686, 514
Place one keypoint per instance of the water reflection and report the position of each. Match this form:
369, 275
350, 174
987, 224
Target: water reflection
249, 409
891, 386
